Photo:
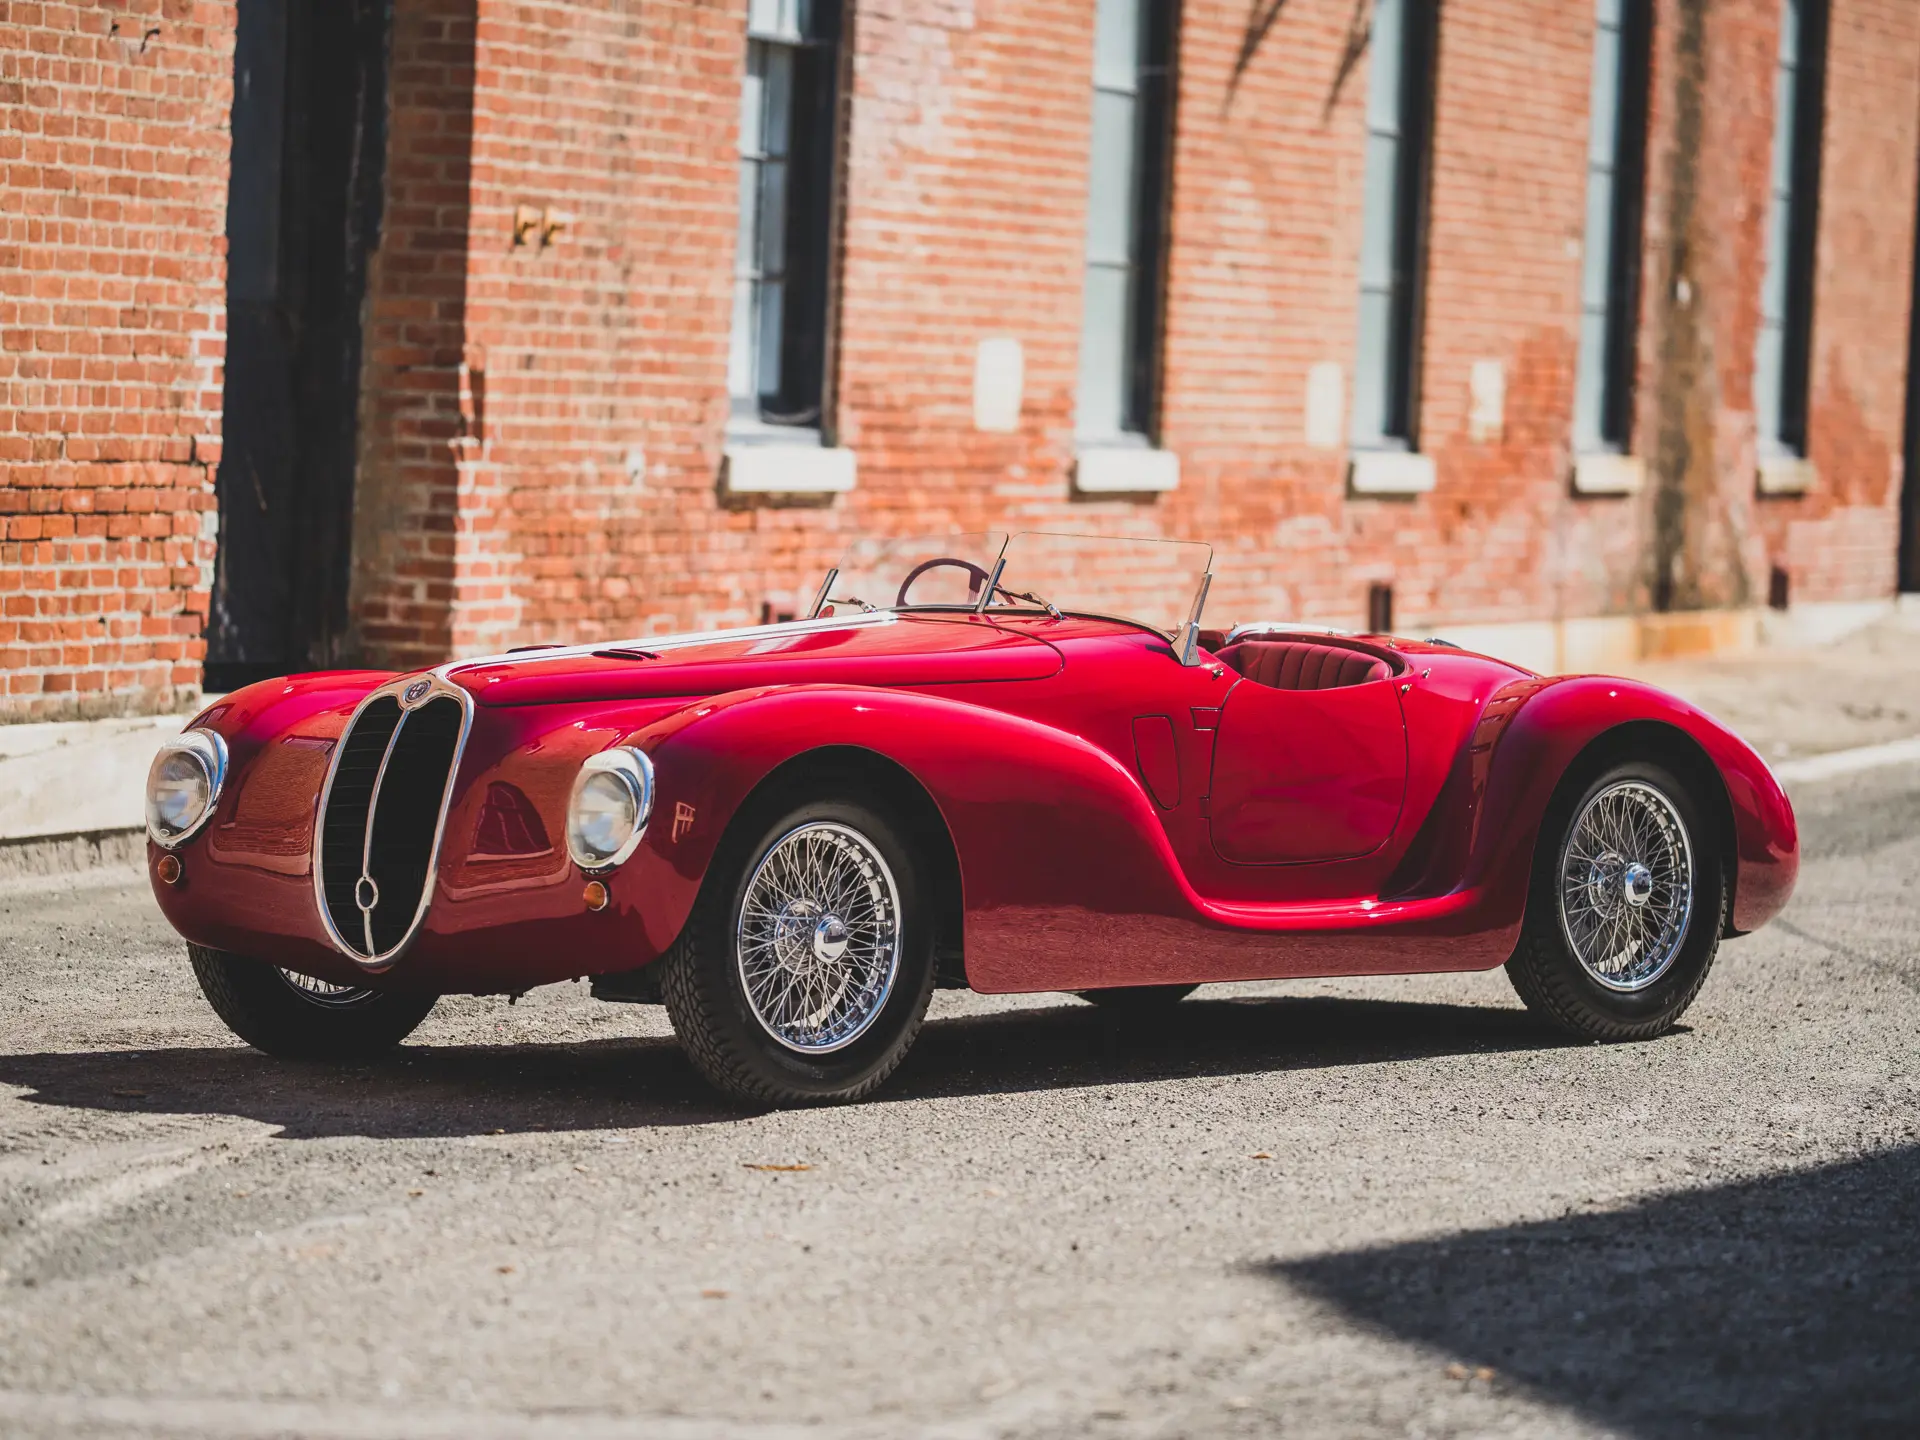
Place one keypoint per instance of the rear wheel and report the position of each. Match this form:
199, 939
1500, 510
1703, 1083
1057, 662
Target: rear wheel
805, 970
1624, 917
297, 1017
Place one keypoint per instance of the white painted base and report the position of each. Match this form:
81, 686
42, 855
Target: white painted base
1125, 470
776, 469
1822, 622
68, 777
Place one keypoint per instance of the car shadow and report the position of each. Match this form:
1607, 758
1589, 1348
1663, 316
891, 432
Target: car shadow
1784, 1306
618, 1084
1071, 1045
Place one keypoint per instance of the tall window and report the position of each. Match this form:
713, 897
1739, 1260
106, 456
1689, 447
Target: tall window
1610, 275
777, 357
1393, 222
1786, 295
1120, 321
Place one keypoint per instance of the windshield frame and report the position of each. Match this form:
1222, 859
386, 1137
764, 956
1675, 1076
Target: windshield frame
1025, 603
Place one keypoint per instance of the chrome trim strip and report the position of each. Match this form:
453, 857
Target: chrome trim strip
826, 589
437, 685
993, 583
366, 840
1188, 643
1274, 627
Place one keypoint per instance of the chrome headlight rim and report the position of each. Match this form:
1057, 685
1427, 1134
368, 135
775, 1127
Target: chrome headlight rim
634, 770
208, 748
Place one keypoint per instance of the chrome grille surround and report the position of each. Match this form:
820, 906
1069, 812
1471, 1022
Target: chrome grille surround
411, 694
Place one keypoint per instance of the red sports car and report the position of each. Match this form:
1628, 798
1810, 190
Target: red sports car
988, 763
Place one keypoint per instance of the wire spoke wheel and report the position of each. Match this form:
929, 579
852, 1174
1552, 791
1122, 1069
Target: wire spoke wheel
325, 992
1626, 883
818, 937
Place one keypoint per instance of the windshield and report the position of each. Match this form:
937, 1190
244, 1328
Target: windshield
939, 572
1150, 582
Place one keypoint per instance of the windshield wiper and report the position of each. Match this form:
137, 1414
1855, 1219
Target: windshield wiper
865, 608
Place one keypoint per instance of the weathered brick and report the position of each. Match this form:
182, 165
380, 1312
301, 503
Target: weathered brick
80, 432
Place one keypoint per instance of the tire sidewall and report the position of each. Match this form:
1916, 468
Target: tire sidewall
262, 1007
879, 1048
1674, 990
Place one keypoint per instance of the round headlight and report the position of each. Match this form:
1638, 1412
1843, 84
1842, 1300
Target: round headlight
183, 784
607, 816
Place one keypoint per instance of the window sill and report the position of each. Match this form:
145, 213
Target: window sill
1602, 472
1389, 472
1786, 475
786, 467
1122, 469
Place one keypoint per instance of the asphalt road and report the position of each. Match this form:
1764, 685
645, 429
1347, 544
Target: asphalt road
1390, 1207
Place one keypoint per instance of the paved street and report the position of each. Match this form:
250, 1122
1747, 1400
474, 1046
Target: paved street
1392, 1207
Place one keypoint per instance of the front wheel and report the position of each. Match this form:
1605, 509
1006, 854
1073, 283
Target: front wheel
804, 972
1628, 899
297, 1017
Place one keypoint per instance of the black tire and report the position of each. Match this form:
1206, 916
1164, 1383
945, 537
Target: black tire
1545, 968
706, 996
271, 1013
1137, 999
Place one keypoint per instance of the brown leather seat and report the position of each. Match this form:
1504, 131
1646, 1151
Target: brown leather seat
1301, 665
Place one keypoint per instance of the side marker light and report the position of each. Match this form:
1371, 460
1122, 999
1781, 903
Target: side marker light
595, 895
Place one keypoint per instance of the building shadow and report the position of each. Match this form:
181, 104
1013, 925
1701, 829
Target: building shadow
456, 1090
1783, 1306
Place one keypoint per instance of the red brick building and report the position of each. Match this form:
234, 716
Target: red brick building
342, 330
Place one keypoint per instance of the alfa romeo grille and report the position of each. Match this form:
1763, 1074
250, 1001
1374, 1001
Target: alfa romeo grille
381, 821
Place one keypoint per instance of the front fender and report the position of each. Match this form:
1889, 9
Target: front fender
1041, 820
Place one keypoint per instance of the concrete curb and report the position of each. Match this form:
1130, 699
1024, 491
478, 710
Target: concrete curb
64, 779
1848, 762
42, 856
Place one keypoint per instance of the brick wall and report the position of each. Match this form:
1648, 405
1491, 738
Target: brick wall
577, 496
113, 149
542, 424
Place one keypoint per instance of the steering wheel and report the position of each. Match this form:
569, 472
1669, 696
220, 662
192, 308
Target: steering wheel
976, 577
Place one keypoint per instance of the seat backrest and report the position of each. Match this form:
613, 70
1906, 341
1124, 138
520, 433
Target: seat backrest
1302, 665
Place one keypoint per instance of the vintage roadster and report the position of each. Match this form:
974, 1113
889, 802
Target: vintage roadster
963, 765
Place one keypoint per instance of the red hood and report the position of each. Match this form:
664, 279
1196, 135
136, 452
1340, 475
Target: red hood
891, 650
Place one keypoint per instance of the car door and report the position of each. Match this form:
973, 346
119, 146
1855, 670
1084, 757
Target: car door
1307, 775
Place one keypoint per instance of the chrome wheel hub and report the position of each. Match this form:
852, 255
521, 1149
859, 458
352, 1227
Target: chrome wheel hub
818, 937
1626, 885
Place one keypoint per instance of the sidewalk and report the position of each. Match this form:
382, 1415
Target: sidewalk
1790, 704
